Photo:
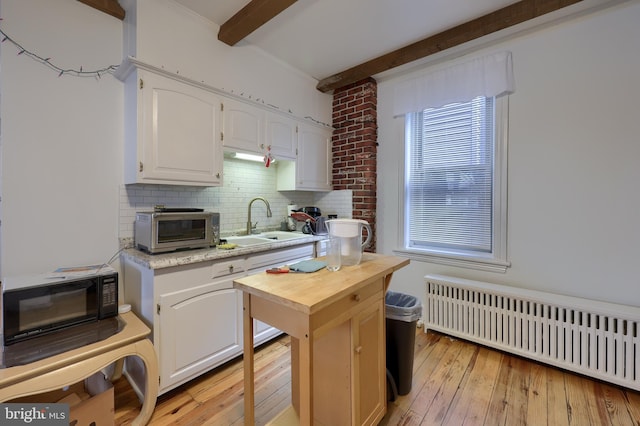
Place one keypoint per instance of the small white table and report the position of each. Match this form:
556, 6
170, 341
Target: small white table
75, 365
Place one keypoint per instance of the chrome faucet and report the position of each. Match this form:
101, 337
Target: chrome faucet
249, 224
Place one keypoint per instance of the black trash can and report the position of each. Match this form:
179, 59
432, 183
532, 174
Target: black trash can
402, 314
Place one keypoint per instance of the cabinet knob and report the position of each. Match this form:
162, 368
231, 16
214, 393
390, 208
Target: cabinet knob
356, 297
231, 268
358, 349
218, 175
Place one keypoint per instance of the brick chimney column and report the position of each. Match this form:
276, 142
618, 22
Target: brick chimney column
355, 147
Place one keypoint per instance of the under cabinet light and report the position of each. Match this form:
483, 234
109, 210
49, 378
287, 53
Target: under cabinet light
250, 157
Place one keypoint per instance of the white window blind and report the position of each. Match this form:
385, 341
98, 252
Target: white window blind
449, 182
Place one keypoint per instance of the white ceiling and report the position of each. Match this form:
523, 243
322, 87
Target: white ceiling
324, 37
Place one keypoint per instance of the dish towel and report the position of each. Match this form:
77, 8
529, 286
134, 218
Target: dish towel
308, 266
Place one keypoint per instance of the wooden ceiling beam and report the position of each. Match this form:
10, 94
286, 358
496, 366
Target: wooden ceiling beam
251, 17
112, 7
495, 21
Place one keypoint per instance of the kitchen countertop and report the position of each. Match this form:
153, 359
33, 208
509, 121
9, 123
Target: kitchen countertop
309, 293
185, 257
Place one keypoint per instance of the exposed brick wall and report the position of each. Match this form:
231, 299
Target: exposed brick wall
355, 147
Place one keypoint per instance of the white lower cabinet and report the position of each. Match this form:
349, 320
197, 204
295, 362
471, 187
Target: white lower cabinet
195, 313
188, 326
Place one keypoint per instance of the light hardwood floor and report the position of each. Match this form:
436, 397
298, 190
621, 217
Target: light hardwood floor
455, 382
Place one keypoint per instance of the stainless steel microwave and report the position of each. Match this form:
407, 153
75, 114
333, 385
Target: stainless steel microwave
39, 305
176, 229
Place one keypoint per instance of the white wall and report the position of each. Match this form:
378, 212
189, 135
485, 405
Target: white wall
62, 137
170, 36
574, 153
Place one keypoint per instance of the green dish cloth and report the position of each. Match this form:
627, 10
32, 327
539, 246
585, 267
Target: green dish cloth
308, 266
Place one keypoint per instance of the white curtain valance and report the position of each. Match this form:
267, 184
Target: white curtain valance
486, 76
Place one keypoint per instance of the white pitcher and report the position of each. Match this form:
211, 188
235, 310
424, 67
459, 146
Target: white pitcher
349, 231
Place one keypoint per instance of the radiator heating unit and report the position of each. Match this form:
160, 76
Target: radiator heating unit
593, 338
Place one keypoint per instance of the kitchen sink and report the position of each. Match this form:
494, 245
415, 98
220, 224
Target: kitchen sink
248, 240
283, 235
264, 238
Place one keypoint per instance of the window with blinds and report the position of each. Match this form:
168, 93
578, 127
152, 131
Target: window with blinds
449, 178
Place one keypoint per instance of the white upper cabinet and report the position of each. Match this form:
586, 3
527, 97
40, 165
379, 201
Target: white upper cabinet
243, 126
172, 131
280, 136
176, 132
312, 169
314, 158
254, 130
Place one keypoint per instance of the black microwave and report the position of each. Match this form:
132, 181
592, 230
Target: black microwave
39, 305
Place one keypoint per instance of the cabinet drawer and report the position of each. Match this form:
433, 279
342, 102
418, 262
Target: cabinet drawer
349, 305
281, 256
227, 267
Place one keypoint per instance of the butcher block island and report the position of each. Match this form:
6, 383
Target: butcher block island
336, 321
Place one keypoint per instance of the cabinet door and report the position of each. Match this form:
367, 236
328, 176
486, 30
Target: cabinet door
243, 127
369, 364
332, 376
313, 168
198, 329
180, 126
281, 136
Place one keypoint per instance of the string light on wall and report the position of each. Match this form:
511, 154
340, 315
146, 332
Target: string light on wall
61, 71
112, 68
318, 122
259, 100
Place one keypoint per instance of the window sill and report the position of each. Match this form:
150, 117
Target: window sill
489, 264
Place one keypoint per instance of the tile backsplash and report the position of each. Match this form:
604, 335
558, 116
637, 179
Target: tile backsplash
243, 180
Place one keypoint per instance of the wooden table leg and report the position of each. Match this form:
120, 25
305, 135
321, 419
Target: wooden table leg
117, 370
247, 323
146, 352
305, 360
295, 374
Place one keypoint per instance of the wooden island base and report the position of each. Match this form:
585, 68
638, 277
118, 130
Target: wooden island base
286, 417
336, 321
